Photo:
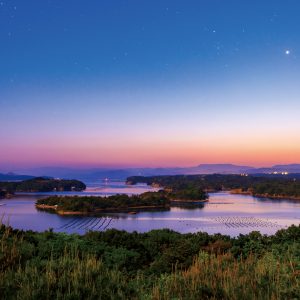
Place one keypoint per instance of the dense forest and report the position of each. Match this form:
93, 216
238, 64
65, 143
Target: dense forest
120, 202
256, 185
192, 193
41, 184
159, 264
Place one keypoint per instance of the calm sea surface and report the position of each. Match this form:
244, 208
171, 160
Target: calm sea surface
224, 213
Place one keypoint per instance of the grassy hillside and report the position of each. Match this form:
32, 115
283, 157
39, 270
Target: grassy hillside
156, 265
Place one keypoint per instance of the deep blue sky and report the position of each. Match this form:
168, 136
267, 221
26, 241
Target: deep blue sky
129, 82
76, 40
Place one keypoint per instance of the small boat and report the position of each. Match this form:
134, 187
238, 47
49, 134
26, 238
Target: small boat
132, 212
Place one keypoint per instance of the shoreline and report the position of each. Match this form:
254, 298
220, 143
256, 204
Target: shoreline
189, 201
278, 197
99, 211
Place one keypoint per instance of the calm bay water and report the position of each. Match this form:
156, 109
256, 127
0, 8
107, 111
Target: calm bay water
224, 213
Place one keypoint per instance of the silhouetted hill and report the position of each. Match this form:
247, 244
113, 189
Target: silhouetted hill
100, 173
14, 177
221, 169
290, 168
122, 173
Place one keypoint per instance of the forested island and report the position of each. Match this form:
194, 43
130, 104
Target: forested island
259, 186
160, 264
76, 205
41, 184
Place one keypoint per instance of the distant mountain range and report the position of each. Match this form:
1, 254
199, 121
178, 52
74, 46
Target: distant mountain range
14, 177
101, 173
291, 168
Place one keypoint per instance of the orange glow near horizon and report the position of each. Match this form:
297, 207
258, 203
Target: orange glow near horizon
137, 86
168, 154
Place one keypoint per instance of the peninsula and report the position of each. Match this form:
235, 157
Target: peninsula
41, 184
264, 186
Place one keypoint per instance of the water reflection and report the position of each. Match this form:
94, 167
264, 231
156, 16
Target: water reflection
224, 213
188, 205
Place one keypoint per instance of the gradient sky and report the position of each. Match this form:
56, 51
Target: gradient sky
149, 83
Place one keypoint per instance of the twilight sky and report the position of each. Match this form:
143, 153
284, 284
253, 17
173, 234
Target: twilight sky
149, 83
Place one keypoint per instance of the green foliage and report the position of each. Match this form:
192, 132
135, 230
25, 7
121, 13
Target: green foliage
206, 182
277, 188
118, 202
41, 184
192, 193
160, 264
188, 185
